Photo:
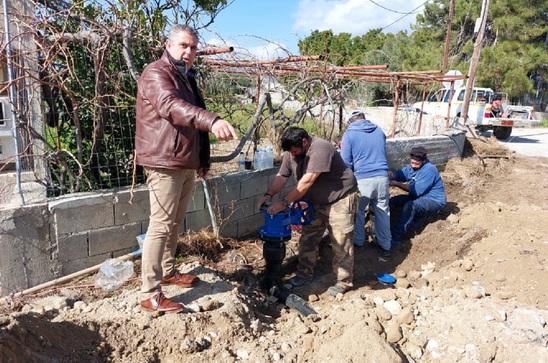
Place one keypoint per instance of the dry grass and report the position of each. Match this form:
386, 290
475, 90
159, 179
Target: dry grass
205, 245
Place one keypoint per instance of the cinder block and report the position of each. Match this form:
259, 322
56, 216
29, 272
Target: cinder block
251, 187
72, 246
249, 225
239, 209
197, 220
228, 230
112, 239
137, 211
71, 218
73, 266
25, 248
222, 193
125, 195
198, 198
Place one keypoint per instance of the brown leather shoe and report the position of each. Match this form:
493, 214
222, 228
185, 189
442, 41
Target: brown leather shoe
160, 304
181, 280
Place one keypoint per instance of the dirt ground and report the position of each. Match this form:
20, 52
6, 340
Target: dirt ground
471, 287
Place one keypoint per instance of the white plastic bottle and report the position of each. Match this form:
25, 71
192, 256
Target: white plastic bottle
262, 159
257, 160
241, 162
269, 157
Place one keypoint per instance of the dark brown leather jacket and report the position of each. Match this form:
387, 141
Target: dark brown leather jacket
169, 120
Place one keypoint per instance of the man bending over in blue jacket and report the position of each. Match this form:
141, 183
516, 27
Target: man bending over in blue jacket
363, 149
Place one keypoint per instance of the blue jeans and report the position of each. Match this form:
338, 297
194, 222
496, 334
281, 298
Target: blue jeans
411, 208
375, 193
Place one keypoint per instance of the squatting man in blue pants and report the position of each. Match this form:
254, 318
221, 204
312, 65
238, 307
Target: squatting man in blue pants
426, 194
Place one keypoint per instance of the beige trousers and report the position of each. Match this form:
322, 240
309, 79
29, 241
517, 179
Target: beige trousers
170, 192
338, 219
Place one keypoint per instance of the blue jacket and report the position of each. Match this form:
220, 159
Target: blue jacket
363, 149
423, 183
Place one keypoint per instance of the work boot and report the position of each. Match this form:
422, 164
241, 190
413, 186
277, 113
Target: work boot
180, 279
160, 304
380, 250
337, 289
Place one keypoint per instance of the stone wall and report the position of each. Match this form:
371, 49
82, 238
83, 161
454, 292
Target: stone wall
44, 241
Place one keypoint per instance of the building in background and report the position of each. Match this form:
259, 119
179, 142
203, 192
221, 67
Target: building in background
20, 103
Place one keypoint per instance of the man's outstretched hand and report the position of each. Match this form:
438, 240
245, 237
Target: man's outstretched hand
223, 130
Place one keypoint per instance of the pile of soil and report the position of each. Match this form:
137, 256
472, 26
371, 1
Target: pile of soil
471, 287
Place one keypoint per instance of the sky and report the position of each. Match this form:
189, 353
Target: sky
254, 25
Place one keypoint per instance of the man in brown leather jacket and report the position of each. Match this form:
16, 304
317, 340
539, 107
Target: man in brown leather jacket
172, 144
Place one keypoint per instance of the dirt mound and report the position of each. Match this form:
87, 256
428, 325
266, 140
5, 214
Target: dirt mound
471, 287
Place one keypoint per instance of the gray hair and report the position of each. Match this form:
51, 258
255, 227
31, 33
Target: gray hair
180, 28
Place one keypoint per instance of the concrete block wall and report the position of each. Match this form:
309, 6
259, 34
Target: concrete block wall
26, 253
45, 241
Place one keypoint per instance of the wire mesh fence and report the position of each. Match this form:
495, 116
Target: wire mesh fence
78, 65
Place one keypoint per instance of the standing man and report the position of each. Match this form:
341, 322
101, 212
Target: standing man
363, 149
426, 194
172, 144
322, 178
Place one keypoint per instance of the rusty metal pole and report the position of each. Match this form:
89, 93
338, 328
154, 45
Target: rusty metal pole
396, 103
418, 132
214, 51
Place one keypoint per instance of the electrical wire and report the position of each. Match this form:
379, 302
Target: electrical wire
406, 14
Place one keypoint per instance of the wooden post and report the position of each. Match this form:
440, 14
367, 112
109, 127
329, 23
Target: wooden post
448, 36
396, 104
474, 64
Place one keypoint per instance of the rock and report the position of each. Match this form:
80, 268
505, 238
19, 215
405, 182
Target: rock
276, 356
383, 314
413, 350
313, 298
308, 343
392, 306
405, 316
472, 292
242, 354
419, 283
453, 219
393, 332
387, 294
413, 275
378, 301
416, 338
79, 305
194, 307
504, 295
210, 304
467, 264
375, 325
